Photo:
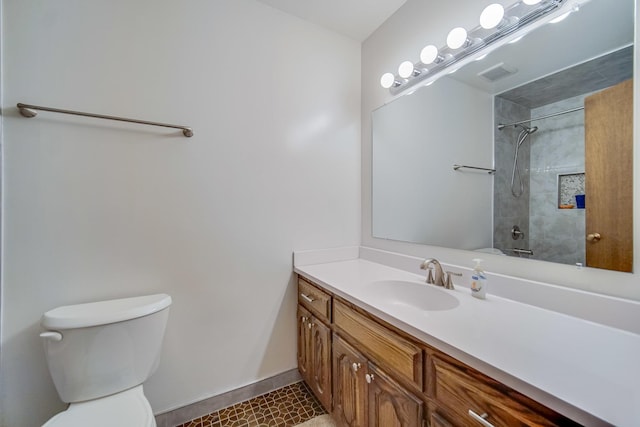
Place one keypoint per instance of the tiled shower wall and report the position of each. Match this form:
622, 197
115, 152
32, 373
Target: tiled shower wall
556, 148
507, 209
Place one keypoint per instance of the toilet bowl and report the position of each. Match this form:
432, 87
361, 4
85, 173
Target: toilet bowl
99, 354
129, 408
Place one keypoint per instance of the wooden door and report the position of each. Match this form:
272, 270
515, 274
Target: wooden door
390, 405
304, 344
608, 177
349, 386
321, 362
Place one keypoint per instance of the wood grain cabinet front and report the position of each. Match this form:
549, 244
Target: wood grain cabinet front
317, 301
364, 395
389, 404
314, 355
466, 397
395, 353
349, 385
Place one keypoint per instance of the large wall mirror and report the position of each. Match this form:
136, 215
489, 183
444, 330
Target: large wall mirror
544, 131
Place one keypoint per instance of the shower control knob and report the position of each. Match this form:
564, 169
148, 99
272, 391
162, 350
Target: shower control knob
594, 237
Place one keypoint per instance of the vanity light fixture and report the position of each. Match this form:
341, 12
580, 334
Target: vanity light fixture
498, 25
430, 54
560, 18
516, 40
457, 38
388, 80
492, 16
406, 70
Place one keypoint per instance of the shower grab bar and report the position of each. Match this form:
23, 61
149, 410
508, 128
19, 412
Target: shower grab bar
27, 110
521, 251
573, 110
489, 171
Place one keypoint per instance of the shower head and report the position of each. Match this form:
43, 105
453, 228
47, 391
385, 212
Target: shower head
527, 129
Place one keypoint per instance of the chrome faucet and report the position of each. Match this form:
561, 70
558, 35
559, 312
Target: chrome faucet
439, 278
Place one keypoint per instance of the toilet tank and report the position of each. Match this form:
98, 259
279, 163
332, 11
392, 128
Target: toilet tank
101, 348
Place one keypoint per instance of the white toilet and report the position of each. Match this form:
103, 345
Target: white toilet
99, 354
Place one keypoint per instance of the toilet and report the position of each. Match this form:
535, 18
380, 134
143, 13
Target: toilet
99, 354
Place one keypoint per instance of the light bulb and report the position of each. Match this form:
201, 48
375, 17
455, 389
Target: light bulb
387, 80
429, 54
491, 16
531, 2
405, 70
457, 38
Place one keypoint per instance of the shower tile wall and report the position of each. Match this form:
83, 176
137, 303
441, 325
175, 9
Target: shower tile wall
556, 148
509, 210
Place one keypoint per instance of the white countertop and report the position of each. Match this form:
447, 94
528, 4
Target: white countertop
585, 370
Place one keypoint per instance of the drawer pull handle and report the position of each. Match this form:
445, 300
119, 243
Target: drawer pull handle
356, 366
369, 378
309, 325
480, 418
306, 298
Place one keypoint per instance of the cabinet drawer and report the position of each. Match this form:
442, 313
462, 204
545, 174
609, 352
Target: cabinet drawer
385, 346
315, 300
463, 390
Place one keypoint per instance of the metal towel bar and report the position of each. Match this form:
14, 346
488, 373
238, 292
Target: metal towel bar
29, 111
490, 171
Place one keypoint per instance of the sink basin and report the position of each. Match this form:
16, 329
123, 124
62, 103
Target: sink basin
413, 294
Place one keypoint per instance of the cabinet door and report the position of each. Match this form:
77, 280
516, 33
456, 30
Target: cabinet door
438, 421
390, 405
349, 386
321, 362
304, 344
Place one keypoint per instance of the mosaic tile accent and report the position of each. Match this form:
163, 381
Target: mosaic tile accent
284, 407
568, 186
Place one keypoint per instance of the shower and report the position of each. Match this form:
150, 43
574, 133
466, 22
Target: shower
518, 189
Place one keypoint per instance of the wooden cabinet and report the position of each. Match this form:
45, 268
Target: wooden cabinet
349, 386
366, 372
391, 405
364, 395
304, 344
314, 341
397, 354
464, 396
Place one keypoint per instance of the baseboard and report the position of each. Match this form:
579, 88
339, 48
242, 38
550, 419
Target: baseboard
215, 403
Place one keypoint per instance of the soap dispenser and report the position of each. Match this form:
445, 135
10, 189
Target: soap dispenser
478, 280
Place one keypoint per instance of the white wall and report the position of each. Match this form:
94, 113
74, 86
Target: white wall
96, 210
413, 140
416, 24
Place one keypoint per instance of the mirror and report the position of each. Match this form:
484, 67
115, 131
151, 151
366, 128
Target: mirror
417, 139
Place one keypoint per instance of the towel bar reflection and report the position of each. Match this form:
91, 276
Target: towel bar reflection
29, 111
489, 171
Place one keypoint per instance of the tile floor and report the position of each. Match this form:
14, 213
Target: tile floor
285, 407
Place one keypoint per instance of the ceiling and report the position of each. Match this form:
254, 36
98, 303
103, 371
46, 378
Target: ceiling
356, 19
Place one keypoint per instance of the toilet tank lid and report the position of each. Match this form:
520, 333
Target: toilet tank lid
104, 312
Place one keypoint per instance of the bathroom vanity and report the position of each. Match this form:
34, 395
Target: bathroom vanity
375, 353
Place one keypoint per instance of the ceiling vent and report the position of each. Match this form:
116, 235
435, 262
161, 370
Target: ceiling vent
497, 72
